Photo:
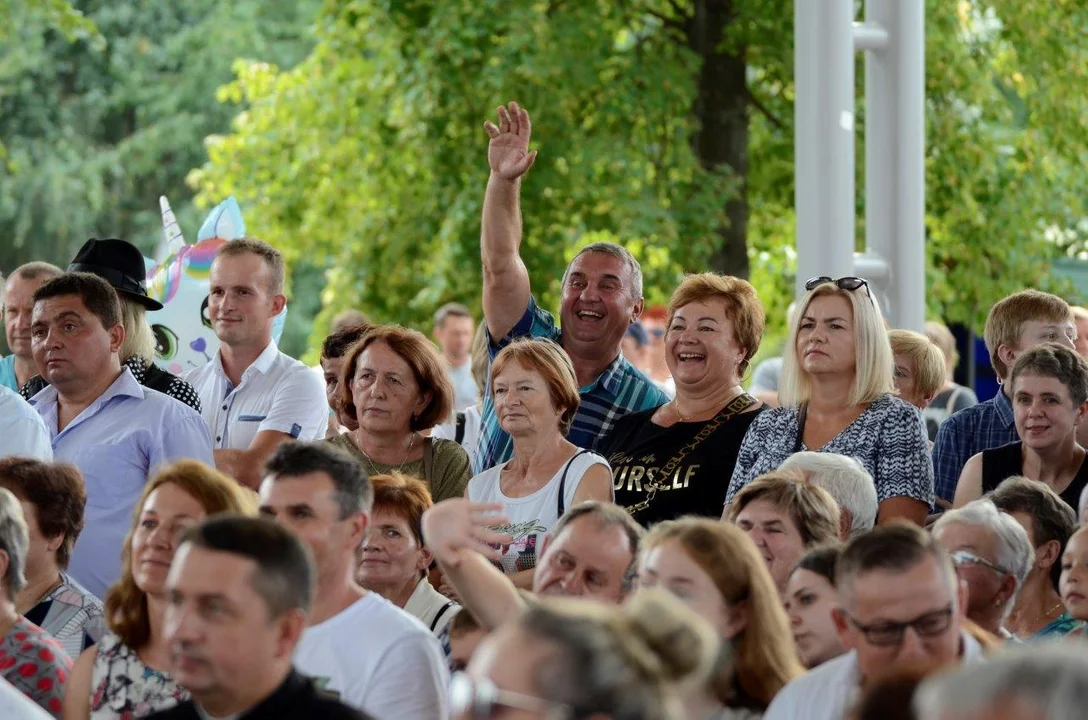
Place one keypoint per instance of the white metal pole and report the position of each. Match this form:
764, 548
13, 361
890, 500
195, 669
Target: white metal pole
910, 82
824, 138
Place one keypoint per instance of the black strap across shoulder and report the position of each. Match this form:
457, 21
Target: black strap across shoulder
802, 417
563, 483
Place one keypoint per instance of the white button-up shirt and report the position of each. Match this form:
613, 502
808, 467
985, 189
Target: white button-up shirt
22, 430
277, 393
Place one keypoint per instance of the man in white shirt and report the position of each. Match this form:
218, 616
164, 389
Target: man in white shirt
373, 655
453, 329
253, 396
16, 369
22, 430
901, 607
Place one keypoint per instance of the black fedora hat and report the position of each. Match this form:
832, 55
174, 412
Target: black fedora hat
119, 263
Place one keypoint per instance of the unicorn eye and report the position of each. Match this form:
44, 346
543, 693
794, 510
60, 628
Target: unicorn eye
166, 342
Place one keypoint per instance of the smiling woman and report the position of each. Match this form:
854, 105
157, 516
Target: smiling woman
673, 460
1049, 386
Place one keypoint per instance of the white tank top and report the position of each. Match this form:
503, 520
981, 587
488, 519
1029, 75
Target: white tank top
531, 517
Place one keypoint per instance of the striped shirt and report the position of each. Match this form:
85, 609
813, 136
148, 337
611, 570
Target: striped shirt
619, 390
989, 424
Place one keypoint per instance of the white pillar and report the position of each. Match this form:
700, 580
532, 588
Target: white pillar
824, 138
895, 158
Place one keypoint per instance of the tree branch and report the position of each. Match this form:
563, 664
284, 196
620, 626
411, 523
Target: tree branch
763, 109
670, 22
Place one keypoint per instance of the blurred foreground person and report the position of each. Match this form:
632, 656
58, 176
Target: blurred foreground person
237, 598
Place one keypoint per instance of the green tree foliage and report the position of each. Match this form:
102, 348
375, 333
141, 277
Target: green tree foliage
369, 155
97, 127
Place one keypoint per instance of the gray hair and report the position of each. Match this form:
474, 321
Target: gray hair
14, 541
617, 251
846, 479
1014, 551
1051, 678
1082, 505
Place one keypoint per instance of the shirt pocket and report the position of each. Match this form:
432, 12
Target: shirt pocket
113, 474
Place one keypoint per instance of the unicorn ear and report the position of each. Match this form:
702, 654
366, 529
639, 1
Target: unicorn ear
171, 231
224, 222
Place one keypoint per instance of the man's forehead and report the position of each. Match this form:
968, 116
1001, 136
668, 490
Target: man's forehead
201, 570
591, 539
900, 595
598, 263
59, 305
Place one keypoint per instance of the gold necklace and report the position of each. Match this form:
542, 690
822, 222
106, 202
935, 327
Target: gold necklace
374, 466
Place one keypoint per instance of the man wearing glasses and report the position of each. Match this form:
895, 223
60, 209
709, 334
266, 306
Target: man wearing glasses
993, 556
901, 606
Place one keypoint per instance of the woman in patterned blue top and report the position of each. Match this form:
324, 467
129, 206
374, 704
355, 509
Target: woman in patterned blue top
837, 396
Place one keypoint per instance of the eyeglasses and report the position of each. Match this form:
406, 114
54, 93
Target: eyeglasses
844, 283
479, 699
963, 557
890, 634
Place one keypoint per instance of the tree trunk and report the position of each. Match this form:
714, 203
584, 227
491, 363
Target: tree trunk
721, 108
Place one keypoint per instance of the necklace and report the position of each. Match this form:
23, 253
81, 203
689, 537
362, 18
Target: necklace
374, 466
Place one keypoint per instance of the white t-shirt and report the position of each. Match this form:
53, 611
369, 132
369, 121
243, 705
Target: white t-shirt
465, 393
470, 441
277, 393
827, 692
531, 517
22, 430
379, 659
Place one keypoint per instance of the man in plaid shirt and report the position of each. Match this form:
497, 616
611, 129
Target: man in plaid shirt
1015, 324
602, 296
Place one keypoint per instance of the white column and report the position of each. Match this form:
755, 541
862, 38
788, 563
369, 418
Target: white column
824, 138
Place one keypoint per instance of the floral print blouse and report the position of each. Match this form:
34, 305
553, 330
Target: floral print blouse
124, 688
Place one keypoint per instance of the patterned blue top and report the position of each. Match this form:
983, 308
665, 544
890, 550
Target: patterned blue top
888, 438
618, 391
968, 432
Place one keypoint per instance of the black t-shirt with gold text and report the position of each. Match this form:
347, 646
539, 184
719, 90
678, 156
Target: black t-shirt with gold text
638, 450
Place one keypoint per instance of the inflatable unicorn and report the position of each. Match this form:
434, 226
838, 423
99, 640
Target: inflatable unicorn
184, 338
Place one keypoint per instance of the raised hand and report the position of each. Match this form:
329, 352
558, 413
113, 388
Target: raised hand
508, 153
457, 524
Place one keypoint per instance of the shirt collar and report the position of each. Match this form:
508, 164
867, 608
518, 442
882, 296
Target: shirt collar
262, 364
124, 386
610, 377
1004, 408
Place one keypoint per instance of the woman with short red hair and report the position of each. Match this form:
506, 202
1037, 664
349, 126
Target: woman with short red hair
394, 561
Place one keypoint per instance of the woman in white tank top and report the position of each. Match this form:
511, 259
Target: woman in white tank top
536, 395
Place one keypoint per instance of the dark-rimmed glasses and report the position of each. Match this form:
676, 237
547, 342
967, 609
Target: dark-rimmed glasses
848, 283
964, 557
890, 634
478, 700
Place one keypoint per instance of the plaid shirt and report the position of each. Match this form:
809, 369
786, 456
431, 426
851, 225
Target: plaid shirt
968, 432
618, 391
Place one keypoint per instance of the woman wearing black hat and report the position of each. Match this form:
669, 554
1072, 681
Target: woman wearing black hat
122, 265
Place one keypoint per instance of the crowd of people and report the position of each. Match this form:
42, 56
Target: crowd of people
611, 514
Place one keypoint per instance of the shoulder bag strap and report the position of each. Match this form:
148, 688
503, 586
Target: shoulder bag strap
447, 606
802, 417
562, 505
459, 435
428, 461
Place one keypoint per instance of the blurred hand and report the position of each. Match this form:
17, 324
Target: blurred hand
456, 525
508, 153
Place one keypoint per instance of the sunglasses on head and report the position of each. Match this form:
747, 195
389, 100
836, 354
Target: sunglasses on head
848, 283
473, 699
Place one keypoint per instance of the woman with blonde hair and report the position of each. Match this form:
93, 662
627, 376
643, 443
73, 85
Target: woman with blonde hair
126, 674
717, 570
837, 396
567, 658
675, 460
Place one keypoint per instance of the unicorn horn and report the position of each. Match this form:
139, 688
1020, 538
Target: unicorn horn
170, 229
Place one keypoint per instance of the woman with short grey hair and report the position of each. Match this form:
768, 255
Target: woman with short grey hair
30, 659
992, 554
1045, 682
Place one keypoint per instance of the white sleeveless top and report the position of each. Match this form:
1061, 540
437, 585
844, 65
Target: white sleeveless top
531, 517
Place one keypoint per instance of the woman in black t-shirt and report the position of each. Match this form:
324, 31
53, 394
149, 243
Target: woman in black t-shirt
677, 459
1049, 400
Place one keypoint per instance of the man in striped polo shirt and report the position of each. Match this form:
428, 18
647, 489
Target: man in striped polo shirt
602, 296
